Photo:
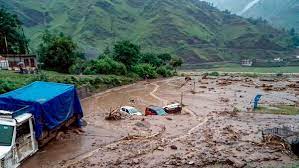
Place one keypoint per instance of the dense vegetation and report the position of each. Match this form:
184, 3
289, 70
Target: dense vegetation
126, 58
11, 81
124, 63
12, 39
57, 52
190, 29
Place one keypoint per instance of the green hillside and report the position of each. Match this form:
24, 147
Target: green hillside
280, 13
191, 29
232, 5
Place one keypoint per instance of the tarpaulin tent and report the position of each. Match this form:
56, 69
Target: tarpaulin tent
50, 103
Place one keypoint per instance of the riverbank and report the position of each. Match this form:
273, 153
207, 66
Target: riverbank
10, 80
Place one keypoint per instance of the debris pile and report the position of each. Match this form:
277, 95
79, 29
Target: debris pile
223, 82
282, 138
115, 115
267, 87
233, 135
293, 85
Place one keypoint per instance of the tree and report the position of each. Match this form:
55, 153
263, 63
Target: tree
145, 71
57, 52
176, 62
150, 58
165, 57
292, 32
12, 38
108, 66
127, 53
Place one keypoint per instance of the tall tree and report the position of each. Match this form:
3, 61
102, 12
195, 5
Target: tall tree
127, 53
12, 38
176, 62
57, 52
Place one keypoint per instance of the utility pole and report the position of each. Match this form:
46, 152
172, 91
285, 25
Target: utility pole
25, 42
112, 31
182, 95
6, 45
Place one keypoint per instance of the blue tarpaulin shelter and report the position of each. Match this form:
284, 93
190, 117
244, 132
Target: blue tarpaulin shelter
50, 103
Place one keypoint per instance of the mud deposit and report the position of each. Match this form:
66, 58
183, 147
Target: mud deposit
216, 129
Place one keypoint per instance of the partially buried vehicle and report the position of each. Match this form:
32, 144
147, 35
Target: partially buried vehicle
174, 108
130, 110
155, 110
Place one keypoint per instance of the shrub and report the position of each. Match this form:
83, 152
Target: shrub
250, 75
40, 77
163, 71
214, 74
6, 86
107, 65
150, 58
78, 67
89, 71
145, 71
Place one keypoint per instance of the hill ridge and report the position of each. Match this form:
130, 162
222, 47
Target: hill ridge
192, 29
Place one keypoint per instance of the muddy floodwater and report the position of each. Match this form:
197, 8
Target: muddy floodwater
217, 127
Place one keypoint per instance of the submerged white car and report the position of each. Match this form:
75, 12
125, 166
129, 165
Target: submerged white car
130, 110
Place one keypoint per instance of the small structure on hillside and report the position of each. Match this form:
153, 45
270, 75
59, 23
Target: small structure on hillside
246, 62
3, 63
14, 60
278, 59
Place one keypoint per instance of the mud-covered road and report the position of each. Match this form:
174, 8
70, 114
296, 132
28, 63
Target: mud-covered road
209, 133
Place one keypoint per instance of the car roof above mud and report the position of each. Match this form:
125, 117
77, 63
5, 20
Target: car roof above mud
155, 107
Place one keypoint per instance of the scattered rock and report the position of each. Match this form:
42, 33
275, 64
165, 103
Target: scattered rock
225, 100
136, 161
140, 124
173, 147
191, 163
160, 148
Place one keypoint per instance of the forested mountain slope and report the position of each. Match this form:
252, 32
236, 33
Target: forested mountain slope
191, 29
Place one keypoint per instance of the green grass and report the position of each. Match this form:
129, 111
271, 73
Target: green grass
238, 68
279, 109
11, 81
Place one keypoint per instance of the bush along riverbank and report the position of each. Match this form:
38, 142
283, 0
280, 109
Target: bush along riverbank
10, 81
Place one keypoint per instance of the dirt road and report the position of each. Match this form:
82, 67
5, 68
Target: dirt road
208, 133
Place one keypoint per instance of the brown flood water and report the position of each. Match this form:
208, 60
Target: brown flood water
98, 131
205, 135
